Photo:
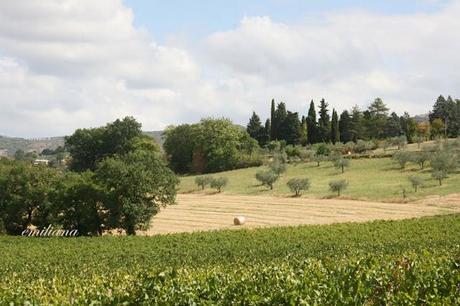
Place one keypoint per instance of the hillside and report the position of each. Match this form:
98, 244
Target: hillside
9, 145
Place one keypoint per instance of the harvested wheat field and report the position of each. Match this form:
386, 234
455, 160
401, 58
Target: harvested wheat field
201, 212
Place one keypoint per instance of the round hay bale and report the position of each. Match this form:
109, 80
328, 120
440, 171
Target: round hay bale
240, 220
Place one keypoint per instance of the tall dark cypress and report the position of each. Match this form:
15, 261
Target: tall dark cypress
311, 124
345, 128
272, 121
280, 117
335, 135
324, 124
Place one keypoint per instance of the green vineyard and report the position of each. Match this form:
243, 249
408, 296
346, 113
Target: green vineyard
386, 262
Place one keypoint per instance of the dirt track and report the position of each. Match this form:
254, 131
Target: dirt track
199, 212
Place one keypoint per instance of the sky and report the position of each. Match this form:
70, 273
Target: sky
68, 64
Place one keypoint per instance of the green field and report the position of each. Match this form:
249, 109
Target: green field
411, 261
375, 179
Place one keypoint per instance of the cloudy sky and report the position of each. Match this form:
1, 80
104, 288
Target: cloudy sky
66, 64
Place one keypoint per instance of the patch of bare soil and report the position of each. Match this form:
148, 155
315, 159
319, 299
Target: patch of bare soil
199, 212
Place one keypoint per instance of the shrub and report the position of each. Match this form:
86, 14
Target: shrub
416, 181
203, 181
342, 163
338, 186
219, 183
267, 178
323, 149
402, 157
296, 185
293, 151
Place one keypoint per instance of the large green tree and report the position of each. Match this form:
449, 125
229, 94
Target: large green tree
179, 146
24, 196
393, 126
256, 130
136, 185
376, 118
357, 124
89, 146
212, 145
446, 110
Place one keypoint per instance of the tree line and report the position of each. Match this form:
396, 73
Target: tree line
375, 122
117, 179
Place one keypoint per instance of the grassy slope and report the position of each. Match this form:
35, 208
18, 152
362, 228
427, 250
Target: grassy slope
376, 179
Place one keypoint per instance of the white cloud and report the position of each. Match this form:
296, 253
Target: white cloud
77, 63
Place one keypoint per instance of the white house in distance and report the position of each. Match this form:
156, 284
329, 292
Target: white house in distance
41, 162
3, 153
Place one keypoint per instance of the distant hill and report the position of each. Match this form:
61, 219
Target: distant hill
9, 145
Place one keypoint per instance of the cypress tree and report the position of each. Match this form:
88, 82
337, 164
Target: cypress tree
280, 117
324, 124
311, 124
273, 122
303, 132
345, 130
335, 134
267, 131
291, 128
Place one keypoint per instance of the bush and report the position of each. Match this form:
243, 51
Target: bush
338, 186
203, 181
296, 185
219, 183
416, 182
323, 149
267, 178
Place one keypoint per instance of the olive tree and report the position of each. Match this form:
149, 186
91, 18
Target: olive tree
219, 183
338, 186
439, 175
342, 163
416, 182
267, 178
420, 158
203, 181
402, 158
297, 185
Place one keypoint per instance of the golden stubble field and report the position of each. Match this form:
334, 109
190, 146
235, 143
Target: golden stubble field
202, 212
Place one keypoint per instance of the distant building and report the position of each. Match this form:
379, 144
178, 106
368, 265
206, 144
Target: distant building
3, 153
41, 162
